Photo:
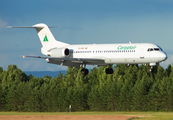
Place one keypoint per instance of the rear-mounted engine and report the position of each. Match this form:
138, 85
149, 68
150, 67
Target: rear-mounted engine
60, 52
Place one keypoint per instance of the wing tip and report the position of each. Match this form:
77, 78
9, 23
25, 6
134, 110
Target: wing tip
9, 26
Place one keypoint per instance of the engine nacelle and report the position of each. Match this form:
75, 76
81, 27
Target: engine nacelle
60, 52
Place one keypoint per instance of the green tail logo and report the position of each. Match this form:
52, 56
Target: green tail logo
45, 39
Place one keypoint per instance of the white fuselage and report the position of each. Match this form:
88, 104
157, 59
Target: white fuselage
119, 53
94, 54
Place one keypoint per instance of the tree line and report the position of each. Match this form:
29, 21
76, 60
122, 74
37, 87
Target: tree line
129, 88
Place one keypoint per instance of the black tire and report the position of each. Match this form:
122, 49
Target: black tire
109, 70
84, 71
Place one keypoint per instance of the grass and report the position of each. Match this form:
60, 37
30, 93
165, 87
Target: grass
142, 115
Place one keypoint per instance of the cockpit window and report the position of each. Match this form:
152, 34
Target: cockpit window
156, 49
153, 49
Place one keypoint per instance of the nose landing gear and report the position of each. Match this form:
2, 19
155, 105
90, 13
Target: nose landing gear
152, 64
151, 68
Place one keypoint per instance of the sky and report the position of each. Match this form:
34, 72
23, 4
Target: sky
82, 22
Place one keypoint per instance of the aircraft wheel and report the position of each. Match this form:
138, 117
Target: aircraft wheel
84, 71
109, 70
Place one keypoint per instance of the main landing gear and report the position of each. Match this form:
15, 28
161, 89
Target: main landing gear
109, 70
84, 71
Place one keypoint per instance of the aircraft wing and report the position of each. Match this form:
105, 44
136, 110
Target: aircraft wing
73, 62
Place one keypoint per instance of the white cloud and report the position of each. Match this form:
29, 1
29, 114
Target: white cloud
2, 24
169, 60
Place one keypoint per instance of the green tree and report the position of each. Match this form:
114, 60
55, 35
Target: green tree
160, 73
168, 70
2, 99
140, 94
1, 70
159, 95
120, 83
77, 93
125, 96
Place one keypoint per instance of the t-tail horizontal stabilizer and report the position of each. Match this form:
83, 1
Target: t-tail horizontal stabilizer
46, 37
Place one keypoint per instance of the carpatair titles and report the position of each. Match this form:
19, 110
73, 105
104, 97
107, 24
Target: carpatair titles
45, 39
126, 47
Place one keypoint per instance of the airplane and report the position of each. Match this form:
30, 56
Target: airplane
61, 53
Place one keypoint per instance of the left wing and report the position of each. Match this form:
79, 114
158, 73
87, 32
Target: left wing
72, 62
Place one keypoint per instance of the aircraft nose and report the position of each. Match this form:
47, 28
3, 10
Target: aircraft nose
164, 56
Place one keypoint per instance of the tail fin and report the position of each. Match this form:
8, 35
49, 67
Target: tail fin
46, 38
